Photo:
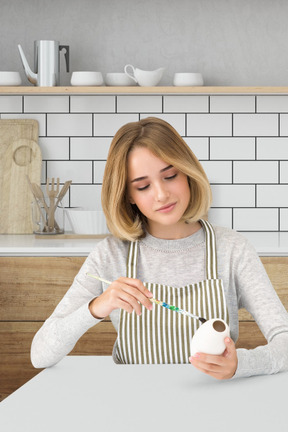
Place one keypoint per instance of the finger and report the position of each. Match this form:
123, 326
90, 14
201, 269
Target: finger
136, 290
125, 306
230, 347
209, 359
137, 284
118, 294
211, 370
204, 364
130, 300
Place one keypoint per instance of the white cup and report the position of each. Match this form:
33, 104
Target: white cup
86, 78
188, 79
144, 78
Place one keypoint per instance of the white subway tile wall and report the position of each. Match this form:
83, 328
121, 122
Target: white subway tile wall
241, 141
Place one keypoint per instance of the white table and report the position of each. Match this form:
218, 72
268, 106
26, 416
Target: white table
94, 394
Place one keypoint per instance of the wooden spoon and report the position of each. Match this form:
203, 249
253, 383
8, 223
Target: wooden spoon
62, 193
52, 193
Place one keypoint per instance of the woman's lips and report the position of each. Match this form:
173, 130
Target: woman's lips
167, 208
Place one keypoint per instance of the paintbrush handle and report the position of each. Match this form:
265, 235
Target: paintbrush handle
99, 278
176, 309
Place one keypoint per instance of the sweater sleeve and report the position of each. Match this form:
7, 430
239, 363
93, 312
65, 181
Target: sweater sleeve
257, 295
69, 321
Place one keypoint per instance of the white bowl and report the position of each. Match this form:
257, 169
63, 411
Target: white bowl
87, 221
10, 78
188, 79
86, 78
119, 79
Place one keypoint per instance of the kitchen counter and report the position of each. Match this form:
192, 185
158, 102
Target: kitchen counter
266, 244
93, 393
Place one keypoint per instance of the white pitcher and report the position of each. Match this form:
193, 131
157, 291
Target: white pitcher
144, 78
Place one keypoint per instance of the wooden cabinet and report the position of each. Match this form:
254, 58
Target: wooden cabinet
30, 289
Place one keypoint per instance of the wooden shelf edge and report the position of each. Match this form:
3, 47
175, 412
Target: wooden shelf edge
143, 90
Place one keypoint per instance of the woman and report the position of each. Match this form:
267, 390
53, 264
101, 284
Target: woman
155, 196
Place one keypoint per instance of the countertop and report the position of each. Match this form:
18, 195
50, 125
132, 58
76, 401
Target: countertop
265, 243
93, 393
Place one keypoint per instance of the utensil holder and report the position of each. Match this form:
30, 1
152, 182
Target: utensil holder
40, 216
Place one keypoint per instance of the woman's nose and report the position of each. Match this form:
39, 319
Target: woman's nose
160, 192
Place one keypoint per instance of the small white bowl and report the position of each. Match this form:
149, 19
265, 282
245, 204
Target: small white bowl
87, 221
188, 79
86, 78
119, 79
8, 78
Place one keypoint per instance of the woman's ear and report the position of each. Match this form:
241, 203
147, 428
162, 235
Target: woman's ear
131, 200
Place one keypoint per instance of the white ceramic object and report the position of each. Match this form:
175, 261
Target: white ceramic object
209, 338
119, 79
86, 78
188, 79
8, 78
144, 78
87, 221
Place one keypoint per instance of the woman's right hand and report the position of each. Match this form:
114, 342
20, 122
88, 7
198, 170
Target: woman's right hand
124, 293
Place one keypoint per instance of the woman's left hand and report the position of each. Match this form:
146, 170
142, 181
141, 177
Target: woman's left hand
218, 366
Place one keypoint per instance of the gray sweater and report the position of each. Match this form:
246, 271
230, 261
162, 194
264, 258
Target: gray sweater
175, 263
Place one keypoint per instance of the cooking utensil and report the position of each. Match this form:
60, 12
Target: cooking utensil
52, 193
36, 197
159, 302
22, 158
62, 192
46, 62
40, 196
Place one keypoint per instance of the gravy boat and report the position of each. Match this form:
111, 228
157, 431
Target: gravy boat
144, 78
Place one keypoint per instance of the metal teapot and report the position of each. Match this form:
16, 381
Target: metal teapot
46, 63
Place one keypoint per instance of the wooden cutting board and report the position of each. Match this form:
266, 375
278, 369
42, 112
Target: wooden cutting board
20, 156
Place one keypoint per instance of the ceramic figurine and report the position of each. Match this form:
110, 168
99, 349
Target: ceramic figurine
209, 338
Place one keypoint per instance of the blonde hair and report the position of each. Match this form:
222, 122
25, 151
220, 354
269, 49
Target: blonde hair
124, 220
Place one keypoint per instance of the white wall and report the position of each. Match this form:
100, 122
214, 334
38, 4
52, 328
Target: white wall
230, 42
241, 140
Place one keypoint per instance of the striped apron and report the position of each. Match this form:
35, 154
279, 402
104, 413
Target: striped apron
162, 335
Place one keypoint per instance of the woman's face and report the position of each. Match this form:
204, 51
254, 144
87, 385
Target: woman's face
160, 191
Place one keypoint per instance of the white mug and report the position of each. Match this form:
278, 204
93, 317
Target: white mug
144, 78
188, 79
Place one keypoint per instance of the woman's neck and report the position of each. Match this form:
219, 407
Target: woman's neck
181, 230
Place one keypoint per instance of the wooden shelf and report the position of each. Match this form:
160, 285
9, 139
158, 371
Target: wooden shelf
143, 90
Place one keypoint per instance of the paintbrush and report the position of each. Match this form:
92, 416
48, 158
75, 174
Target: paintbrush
159, 302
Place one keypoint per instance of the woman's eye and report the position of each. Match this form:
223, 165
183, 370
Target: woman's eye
143, 188
171, 177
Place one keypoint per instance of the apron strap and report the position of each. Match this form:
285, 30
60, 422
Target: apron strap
211, 256
132, 260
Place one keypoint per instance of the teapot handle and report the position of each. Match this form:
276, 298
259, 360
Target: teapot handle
127, 73
66, 55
